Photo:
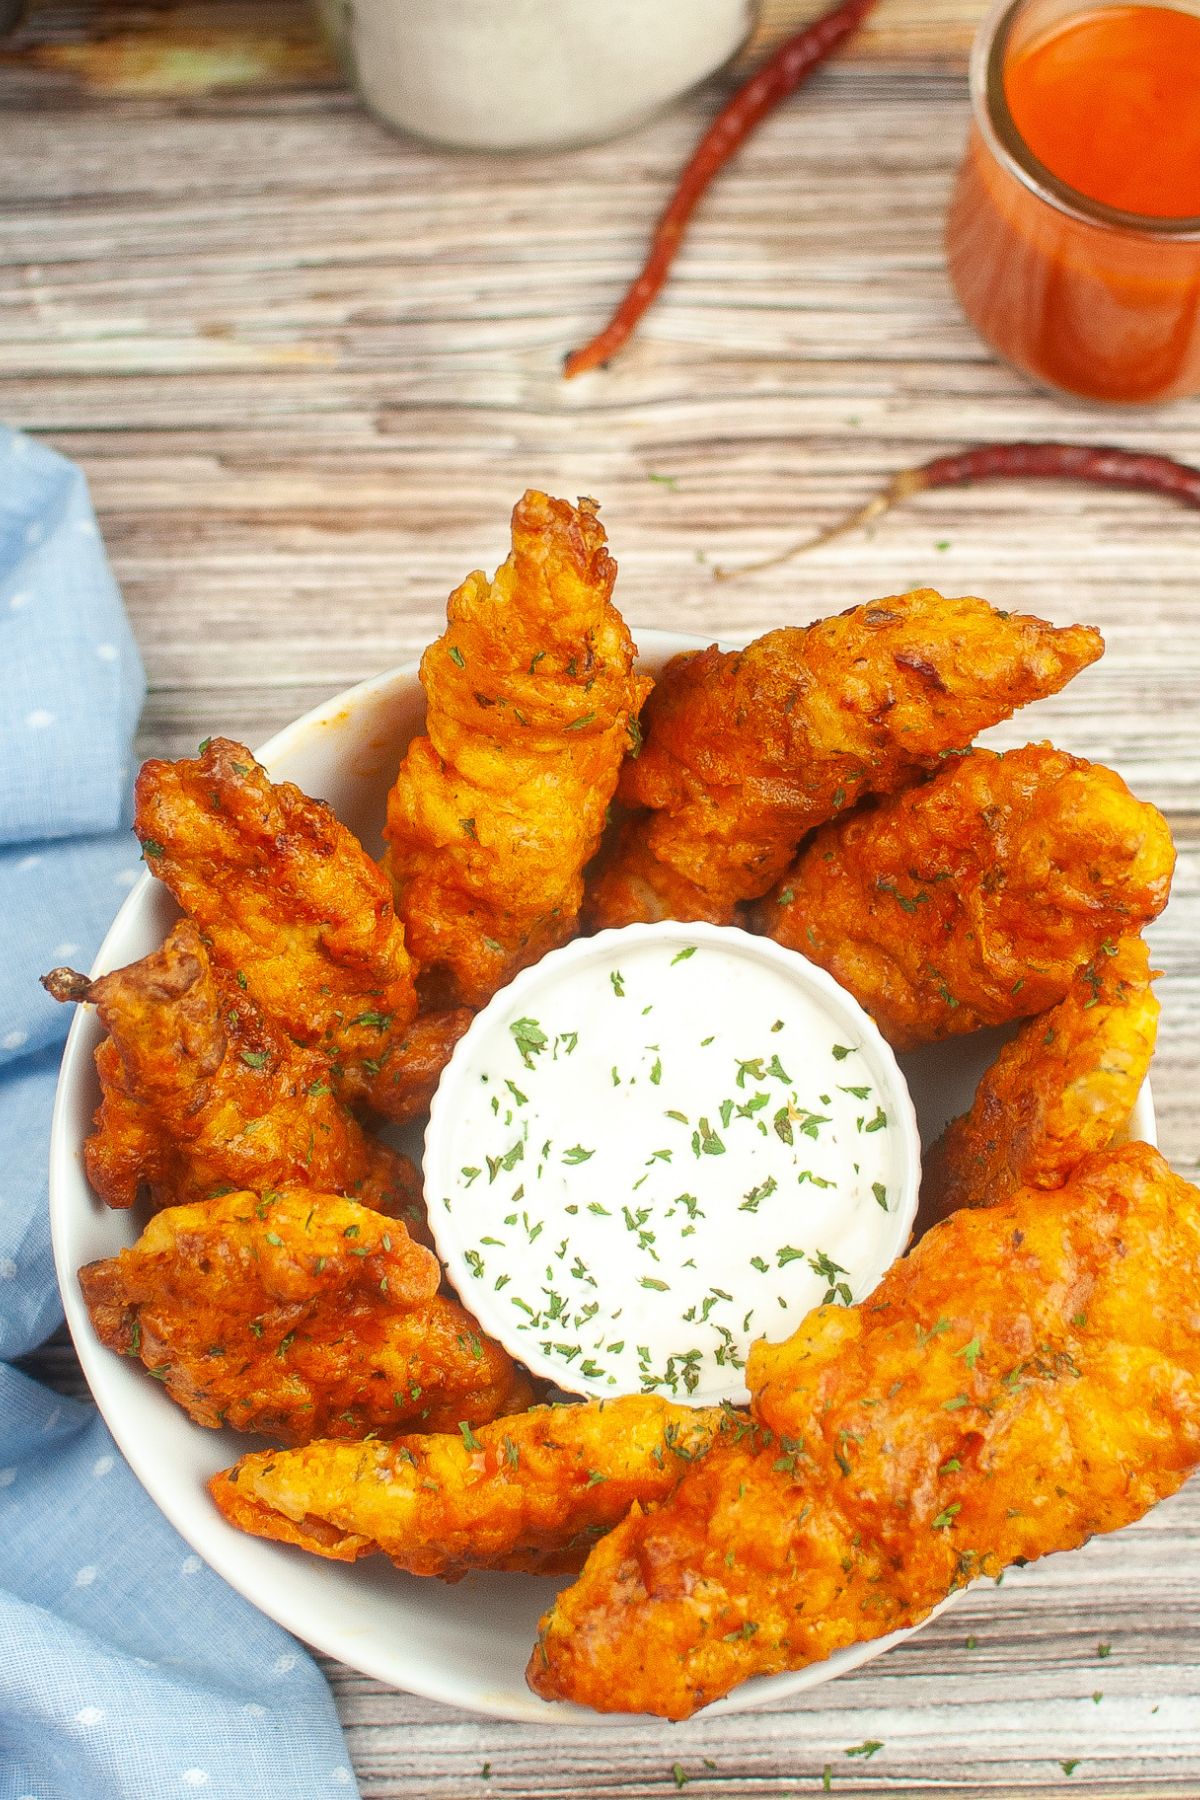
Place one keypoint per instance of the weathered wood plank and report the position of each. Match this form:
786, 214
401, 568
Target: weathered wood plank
166, 52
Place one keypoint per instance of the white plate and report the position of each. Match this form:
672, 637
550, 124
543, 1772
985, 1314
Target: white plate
467, 1644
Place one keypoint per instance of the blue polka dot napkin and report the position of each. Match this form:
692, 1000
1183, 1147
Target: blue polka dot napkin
128, 1670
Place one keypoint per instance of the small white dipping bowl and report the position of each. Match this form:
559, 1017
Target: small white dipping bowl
466, 1645
636, 1295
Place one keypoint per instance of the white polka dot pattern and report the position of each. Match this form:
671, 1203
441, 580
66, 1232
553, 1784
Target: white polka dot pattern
136, 1665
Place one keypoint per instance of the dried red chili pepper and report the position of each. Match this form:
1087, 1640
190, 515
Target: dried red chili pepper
1103, 465
780, 75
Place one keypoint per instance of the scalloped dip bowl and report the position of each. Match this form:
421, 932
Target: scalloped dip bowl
719, 1195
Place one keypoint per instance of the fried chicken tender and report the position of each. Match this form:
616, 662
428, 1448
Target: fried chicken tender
202, 1094
973, 899
288, 897
405, 1087
746, 751
531, 1492
1063, 1086
1028, 1376
532, 702
299, 1315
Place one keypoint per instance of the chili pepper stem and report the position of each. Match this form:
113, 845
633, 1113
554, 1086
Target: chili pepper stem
873, 509
1100, 465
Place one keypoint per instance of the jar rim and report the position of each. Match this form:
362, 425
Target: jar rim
994, 120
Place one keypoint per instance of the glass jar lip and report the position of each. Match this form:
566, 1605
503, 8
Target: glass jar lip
999, 130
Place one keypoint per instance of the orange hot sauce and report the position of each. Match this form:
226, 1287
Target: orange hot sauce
1100, 111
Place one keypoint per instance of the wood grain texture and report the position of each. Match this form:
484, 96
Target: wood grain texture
308, 366
939, 31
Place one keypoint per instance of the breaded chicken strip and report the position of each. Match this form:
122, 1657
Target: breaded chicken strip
299, 1315
973, 899
286, 896
746, 751
1028, 1376
532, 702
1063, 1087
406, 1081
202, 1094
531, 1492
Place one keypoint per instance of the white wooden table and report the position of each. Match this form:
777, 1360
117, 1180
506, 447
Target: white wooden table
308, 367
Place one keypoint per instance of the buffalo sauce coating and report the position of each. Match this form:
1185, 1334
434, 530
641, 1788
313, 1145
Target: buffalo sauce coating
1025, 1378
973, 899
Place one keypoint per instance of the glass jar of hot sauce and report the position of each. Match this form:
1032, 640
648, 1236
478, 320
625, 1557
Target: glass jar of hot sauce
1093, 293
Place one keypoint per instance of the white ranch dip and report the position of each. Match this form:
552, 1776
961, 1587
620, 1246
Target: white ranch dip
659, 1145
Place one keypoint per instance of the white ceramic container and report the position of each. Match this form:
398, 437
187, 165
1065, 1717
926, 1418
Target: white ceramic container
529, 74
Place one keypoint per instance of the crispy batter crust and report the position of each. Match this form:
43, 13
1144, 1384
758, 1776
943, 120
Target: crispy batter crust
299, 1315
1028, 1376
285, 894
405, 1085
531, 698
972, 899
531, 1492
1062, 1088
746, 751
202, 1094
